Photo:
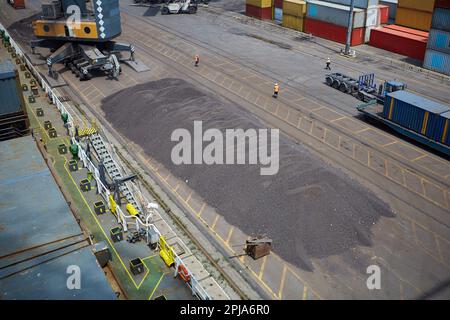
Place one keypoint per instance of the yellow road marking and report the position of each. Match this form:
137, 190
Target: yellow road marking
305, 293
283, 278
263, 266
215, 221
230, 233
157, 285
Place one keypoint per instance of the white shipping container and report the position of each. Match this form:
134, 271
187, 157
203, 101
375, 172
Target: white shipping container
373, 17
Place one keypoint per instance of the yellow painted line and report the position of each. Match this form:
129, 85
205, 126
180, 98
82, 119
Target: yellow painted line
98, 223
189, 196
362, 130
389, 144
283, 278
230, 233
199, 213
419, 157
305, 292
156, 287
343, 117
215, 221
263, 266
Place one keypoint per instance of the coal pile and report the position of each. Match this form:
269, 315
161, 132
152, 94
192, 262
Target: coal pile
308, 208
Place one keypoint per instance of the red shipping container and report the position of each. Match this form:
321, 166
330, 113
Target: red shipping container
442, 4
384, 14
17, 4
415, 32
333, 32
278, 4
403, 43
256, 12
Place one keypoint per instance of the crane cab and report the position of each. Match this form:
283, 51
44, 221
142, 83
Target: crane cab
74, 20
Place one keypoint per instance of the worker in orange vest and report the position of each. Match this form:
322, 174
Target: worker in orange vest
276, 89
197, 60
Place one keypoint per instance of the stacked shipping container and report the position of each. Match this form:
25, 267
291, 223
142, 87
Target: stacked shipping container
293, 14
437, 55
392, 4
261, 9
418, 114
416, 14
330, 20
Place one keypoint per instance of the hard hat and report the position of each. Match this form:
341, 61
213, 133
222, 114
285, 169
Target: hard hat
276, 83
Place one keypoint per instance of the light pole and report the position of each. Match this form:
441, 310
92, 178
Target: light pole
350, 28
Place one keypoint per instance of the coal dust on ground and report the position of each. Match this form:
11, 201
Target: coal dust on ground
308, 208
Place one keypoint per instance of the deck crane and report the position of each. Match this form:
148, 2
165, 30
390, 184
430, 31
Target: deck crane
80, 35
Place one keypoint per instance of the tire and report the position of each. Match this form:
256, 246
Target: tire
343, 88
360, 96
165, 10
335, 84
329, 81
192, 10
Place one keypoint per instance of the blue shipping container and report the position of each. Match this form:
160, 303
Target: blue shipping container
445, 137
439, 40
438, 127
412, 111
441, 19
437, 61
364, 4
10, 98
392, 4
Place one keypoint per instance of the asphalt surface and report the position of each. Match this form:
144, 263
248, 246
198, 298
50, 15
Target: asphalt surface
318, 210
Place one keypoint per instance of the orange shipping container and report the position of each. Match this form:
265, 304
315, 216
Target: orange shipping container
410, 18
421, 5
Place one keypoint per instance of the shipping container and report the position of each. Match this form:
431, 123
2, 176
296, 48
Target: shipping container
256, 12
278, 14
416, 32
439, 40
260, 3
335, 14
441, 19
442, 4
333, 32
445, 136
392, 4
17, 4
437, 128
418, 5
384, 14
437, 61
403, 43
296, 8
420, 20
412, 111
362, 4
278, 4
372, 17
292, 22
10, 90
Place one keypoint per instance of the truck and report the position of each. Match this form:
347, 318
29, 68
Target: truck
413, 116
364, 88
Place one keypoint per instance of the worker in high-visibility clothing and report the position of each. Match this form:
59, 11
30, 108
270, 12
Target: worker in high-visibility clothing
328, 64
196, 60
276, 89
